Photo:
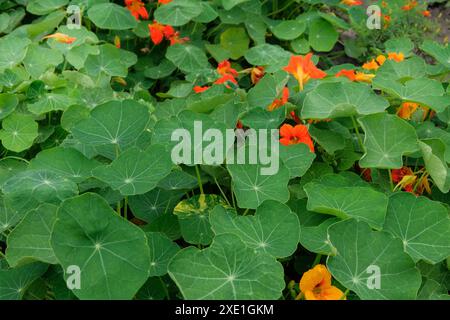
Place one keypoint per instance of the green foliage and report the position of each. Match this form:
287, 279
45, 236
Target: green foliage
88, 132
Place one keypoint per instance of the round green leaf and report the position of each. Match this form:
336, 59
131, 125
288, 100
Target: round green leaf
359, 251
30, 239
111, 253
289, 29
12, 51
251, 188
273, 229
149, 206
162, 250
65, 162
227, 270
135, 171
8, 102
19, 132
111, 16
322, 35
236, 41
40, 185
187, 58
115, 123
178, 12
268, 55
344, 201
422, 225
334, 100
14, 282
387, 139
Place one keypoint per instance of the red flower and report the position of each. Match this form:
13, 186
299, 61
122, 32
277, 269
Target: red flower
164, 1
280, 101
199, 89
157, 32
225, 78
294, 135
137, 9
303, 69
224, 68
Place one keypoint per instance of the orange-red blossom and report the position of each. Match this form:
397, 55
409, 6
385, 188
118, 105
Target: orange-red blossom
315, 284
294, 135
61, 37
137, 9
303, 69
159, 32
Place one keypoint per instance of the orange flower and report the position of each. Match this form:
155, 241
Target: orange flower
315, 284
224, 68
371, 65
164, 1
423, 185
61, 37
280, 101
407, 109
352, 2
137, 9
397, 57
411, 5
426, 13
303, 69
350, 74
199, 89
387, 18
294, 135
256, 74
381, 59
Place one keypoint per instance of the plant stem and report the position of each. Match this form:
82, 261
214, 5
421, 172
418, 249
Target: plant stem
245, 212
282, 9
390, 180
355, 125
118, 207
345, 294
232, 196
125, 208
199, 179
317, 260
221, 192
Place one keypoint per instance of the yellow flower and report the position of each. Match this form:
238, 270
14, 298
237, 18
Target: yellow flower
315, 284
364, 77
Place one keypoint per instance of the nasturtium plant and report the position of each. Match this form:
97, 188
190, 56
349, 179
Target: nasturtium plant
224, 150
